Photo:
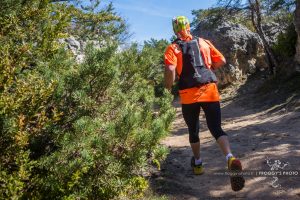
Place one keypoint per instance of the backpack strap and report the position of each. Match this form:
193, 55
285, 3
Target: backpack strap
198, 40
175, 41
178, 42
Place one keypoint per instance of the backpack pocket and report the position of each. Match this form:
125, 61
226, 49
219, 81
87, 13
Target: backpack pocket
203, 75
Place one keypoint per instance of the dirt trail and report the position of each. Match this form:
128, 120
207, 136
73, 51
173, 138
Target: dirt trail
255, 136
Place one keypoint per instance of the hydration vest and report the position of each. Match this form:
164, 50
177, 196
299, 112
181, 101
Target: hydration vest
194, 71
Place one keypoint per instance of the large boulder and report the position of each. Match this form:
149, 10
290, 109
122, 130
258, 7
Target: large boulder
272, 30
241, 47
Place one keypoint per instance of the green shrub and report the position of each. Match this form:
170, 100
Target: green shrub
69, 130
285, 46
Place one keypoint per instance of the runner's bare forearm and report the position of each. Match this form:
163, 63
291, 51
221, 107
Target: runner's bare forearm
169, 76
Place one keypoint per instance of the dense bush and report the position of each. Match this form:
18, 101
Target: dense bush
69, 130
285, 46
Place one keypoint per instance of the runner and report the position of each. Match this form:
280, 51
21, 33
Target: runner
192, 59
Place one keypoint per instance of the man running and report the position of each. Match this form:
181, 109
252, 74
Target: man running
192, 59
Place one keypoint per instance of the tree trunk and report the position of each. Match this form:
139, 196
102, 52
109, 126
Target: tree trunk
297, 27
256, 21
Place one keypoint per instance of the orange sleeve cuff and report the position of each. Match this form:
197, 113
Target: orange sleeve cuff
170, 57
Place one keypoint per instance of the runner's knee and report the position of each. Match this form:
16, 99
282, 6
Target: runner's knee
194, 132
190, 114
193, 137
217, 133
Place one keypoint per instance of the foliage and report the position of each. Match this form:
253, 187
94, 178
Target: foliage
276, 5
211, 15
285, 45
237, 11
105, 25
217, 15
279, 11
153, 64
69, 130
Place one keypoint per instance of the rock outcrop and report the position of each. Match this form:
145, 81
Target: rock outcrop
272, 30
241, 47
77, 47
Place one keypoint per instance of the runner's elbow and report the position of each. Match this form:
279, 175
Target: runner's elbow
223, 60
219, 64
170, 68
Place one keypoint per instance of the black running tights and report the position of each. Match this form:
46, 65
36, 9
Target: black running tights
212, 112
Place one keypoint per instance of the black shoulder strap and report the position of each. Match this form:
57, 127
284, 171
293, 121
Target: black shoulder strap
177, 41
180, 42
198, 40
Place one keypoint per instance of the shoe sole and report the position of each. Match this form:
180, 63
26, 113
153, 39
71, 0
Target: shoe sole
238, 181
198, 172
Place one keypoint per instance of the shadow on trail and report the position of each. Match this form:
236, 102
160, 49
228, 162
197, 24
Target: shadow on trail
262, 93
180, 131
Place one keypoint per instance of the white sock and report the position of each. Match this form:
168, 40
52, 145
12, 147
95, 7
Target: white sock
198, 161
228, 156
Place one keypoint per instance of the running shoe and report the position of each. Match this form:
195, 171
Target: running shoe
237, 180
197, 169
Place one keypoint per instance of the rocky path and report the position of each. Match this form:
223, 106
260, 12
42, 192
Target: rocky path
255, 136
